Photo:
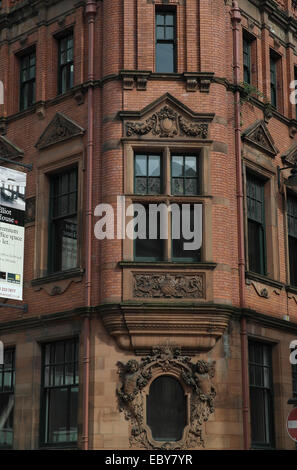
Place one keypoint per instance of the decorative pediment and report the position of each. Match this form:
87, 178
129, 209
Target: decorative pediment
59, 129
166, 118
259, 136
8, 149
290, 156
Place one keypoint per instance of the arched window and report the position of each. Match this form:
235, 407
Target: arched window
166, 409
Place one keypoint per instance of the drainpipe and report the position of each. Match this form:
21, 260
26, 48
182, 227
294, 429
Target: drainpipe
236, 20
90, 15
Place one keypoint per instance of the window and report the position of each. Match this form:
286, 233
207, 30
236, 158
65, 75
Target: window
246, 60
182, 179
66, 67
256, 224
7, 380
275, 79
292, 233
261, 394
148, 174
59, 392
165, 42
27, 80
184, 171
166, 409
63, 221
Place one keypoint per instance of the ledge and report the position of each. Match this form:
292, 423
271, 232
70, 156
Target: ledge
167, 264
57, 277
139, 327
264, 280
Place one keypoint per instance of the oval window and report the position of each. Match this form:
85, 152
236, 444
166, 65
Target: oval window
166, 409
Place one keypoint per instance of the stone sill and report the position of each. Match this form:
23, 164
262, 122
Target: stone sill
263, 279
78, 272
167, 264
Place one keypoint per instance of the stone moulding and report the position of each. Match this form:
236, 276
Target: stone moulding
196, 380
166, 118
165, 285
139, 327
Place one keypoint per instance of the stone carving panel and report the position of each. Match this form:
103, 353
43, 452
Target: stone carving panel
165, 285
167, 123
196, 378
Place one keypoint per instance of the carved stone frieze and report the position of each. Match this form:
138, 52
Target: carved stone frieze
264, 292
166, 118
59, 129
196, 379
167, 123
164, 285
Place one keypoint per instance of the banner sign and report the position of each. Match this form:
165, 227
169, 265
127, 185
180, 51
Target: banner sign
12, 232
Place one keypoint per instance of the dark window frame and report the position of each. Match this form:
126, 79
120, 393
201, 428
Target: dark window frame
252, 222
263, 388
68, 65
161, 244
292, 236
153, 415
294, 380
163, 12
54, 249
8, 393
45, 390
247, 59
275, 61
27, 86
184, 177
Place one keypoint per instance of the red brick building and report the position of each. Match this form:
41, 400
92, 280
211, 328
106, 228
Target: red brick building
139, 344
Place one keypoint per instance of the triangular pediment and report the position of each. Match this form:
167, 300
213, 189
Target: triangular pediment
290, 156
8, 149
259, 136
59, 129
166, 118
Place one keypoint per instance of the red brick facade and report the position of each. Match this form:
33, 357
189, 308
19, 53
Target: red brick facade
126, 88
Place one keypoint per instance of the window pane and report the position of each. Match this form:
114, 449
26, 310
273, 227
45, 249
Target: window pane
166, 409
147, 248
261, 394
177, 166
178, 249
169, 34
191, 186
160, 32
177, 186
140, 165
140, 185
190, 166
165, 58
169, 19
154, 186
6, 418
154, 165
160, 19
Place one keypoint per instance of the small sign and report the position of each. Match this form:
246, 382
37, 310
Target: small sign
292, 424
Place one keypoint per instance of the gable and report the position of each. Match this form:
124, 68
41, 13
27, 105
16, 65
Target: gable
259, 136
8, 149
166, 118
59, 129
290, 156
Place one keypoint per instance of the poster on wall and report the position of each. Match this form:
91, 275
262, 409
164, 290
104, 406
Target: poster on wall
12, 232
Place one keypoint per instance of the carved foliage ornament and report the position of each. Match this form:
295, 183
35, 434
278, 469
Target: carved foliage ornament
136, 377
165, 285
167, 123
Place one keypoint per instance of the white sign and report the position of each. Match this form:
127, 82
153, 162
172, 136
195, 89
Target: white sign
12, 232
